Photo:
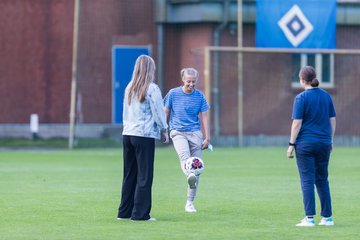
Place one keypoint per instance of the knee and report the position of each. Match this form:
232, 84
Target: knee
184, 156
320, 181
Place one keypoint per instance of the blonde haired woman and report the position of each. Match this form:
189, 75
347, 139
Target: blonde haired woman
143, 121
186, 110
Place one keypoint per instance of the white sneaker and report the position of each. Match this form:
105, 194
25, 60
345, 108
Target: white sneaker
147, 220
190, 208
151, 219
192, 181
306, 222
122, 219
326, 221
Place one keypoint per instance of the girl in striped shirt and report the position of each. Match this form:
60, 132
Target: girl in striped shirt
186, 111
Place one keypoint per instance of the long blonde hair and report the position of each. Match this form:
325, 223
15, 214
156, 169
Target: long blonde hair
143, 75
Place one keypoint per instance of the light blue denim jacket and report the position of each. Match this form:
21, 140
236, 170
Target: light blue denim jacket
144, 119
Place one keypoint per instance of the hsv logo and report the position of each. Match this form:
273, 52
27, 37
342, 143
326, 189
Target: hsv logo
295, 26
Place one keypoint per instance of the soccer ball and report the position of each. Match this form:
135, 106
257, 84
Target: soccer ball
194, 165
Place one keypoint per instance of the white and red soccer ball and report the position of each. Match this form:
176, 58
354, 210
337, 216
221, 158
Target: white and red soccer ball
194, 165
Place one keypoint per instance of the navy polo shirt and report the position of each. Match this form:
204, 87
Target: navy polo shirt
315, 107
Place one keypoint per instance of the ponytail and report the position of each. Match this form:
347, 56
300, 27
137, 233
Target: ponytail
308, 74
314, 82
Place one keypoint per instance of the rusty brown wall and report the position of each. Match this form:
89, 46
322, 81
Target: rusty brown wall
268, 95
102, 24
35, 60
346, 93
182, 49
36, 38
36, 55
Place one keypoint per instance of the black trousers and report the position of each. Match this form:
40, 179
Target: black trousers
138, 174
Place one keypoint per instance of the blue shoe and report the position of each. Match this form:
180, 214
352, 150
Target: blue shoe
326, 221
306, 222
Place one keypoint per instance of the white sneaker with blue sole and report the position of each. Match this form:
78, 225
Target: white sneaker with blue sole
326, 221
306, 222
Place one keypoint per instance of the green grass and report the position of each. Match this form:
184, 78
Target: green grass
249, 193
57, 143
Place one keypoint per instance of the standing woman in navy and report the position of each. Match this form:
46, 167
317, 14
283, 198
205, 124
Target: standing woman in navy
144, 121
312, 135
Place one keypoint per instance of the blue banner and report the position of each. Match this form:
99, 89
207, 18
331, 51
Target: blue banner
296, 23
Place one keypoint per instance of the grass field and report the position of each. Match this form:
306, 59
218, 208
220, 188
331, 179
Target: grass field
249, 193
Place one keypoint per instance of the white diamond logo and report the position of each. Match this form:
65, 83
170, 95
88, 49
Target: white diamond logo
295, 26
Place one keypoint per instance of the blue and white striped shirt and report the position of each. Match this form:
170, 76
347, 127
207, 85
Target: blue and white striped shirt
185, 108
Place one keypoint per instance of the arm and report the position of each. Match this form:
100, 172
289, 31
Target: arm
167, 114
205, 123
295, 129
165, 134
156, 105
333, 127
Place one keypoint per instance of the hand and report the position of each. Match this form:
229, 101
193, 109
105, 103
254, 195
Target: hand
290, 152
165, 136
205, 144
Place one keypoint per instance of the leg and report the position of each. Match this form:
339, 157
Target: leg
321, 180
182, 148
129, 179
305, 160
145, 152
195, 139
